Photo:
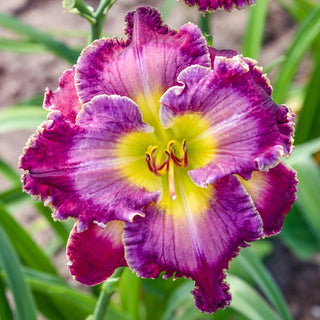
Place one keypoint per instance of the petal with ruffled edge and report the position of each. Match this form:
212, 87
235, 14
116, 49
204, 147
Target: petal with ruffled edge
248, 130
95, 253
145, 65
211, 5
273, 194
194, 244
74, 167
65, 98
255, 71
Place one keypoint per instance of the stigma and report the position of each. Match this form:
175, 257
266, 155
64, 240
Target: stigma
175, 154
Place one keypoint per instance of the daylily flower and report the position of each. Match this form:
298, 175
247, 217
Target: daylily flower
167, 153
212, 5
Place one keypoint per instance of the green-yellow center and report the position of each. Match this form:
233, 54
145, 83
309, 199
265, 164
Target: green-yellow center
160, 161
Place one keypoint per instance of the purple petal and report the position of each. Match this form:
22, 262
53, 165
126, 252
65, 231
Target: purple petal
192, 244
74, 166
273, 194
65, 98
146, 64
256, 72
211, 5
248, 130
95, 253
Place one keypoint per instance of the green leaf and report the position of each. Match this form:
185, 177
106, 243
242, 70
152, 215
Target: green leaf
5, 311
303, 151
27, 249
56, 47
179, 301
255, 28
13, 119
55, 287
309, 116
264, 280
308, 199
308, 30
24, 304
297, 236
21, 46
130, 286
248, 302
9, 172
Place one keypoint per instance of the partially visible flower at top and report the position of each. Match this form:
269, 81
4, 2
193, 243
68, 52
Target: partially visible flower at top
212, 5
167, 152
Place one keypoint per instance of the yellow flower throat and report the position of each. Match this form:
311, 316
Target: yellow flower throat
171, 160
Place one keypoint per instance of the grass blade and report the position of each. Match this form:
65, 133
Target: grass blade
308, 199
264, 280
27, 249
309, 29
309, 117
24, 303
9, 172
297, 236
5, 311
248, 302
255, 28
21, 46
13, 119
58, 48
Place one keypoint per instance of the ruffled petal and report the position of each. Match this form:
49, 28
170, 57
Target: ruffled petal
273, 194
95, 253
255, 71
211, 5
248, 130
74, 166
65, 98
197, 245
143, 66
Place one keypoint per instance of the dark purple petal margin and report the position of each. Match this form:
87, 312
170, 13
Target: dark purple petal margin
211, 5
147, 63
73, 166
198, 246
273, 194
95, 253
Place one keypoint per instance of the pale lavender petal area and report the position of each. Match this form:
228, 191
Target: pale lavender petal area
211, 5
273, 194
146, 64
73, 166
198, 246
95, 253
248, 130
65, 98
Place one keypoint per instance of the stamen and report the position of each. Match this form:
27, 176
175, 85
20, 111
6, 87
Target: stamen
172, 189
185, 156
169, 163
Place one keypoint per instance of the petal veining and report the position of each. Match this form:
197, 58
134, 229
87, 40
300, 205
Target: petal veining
198, 243
82, 180
143, 67
249, 130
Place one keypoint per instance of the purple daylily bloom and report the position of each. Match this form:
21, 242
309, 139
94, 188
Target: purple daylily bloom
167, 152
212, 5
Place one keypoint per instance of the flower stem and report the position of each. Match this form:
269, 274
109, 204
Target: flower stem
204, 23
205, 26
100, 14
108, 289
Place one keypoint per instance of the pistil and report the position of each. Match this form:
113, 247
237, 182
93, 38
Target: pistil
169, 163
